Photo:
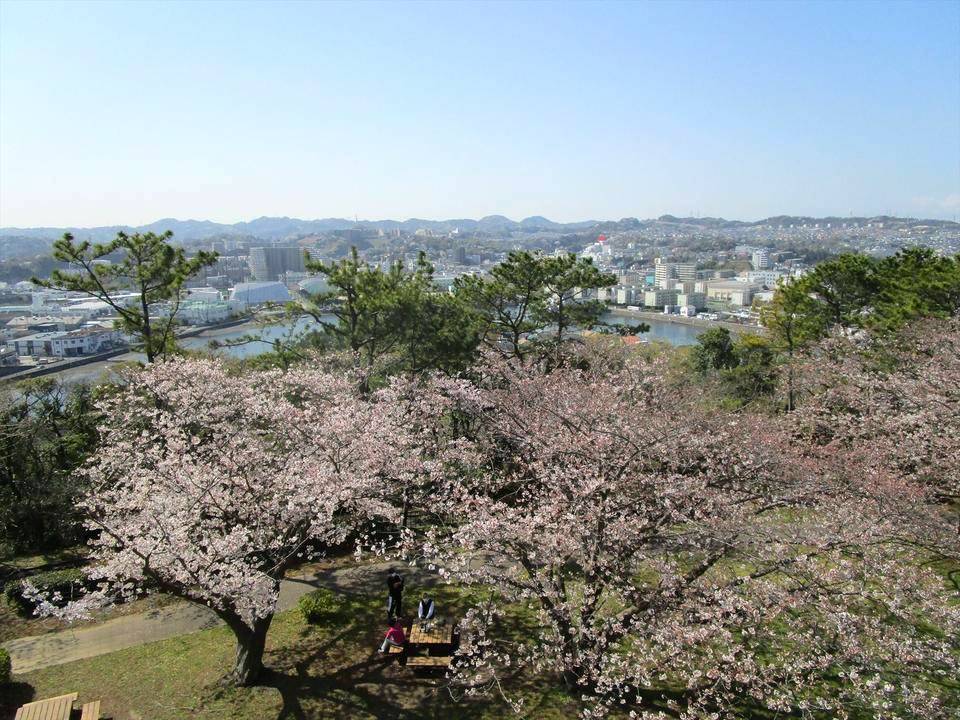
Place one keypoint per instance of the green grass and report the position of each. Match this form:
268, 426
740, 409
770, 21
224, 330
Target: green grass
30, 562
325, 671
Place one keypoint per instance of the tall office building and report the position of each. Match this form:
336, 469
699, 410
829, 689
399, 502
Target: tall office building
269, 263
685, 272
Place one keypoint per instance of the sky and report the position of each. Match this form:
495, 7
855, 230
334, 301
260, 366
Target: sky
126, 113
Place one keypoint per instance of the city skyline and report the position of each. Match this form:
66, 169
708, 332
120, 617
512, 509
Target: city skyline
122, 114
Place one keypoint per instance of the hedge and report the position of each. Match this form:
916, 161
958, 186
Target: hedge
67, 583
318, 606
5, 667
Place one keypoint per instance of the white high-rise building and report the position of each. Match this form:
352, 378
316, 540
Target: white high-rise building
761, 259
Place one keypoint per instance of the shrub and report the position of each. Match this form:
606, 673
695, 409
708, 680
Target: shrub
318, 606
5, 667
66, 583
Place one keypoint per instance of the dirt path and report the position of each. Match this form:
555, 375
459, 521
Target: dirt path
40, 651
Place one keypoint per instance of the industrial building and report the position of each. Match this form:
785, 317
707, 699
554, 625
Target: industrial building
73, 343
258, 293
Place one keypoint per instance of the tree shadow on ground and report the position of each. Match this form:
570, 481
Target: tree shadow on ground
13, 695
380, 687
372, 684
342, 675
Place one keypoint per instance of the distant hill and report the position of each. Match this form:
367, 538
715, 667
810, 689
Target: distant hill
279, 228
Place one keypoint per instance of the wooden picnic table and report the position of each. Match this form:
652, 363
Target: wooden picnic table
438, 632
56, 708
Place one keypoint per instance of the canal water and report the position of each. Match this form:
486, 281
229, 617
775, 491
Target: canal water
660, 330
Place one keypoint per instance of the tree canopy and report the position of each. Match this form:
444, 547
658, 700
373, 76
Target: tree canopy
528, 294
47, 430
855, 291
212, 496
374, 313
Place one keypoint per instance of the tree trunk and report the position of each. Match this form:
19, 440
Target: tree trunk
250, 644
571, 679
147, 331
790, 400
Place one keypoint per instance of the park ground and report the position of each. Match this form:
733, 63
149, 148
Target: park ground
327, 670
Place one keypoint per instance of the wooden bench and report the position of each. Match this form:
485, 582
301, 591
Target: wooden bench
428, 661
55, 708
394, 650
90, 711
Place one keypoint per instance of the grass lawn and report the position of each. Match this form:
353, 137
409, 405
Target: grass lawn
323, 671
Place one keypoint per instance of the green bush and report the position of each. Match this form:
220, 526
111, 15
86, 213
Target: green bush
318, 606
67, 583
5, 667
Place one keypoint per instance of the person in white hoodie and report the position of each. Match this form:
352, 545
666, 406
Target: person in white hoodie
426, 609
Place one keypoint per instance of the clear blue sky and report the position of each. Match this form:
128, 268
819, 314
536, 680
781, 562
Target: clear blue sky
129, 112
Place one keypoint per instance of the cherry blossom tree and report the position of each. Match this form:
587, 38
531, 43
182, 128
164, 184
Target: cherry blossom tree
676, 563
889, 409
210, 486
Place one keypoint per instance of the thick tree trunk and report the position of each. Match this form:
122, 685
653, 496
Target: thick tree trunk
250, 644
571, 679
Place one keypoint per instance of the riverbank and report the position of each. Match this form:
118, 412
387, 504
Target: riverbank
697, 322
672, 329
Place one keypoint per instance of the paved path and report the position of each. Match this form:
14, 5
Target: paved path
40, 651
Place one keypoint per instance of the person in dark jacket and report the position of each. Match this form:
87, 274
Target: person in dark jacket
394, 594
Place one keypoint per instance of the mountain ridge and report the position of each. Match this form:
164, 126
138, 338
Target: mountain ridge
280, 227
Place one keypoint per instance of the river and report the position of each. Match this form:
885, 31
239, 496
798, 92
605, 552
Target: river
662, 330
267, 334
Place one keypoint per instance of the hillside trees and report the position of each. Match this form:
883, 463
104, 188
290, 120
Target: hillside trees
148, 266
212, 496
856, 293
46, 431
714, 351
679, 563
745, 370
